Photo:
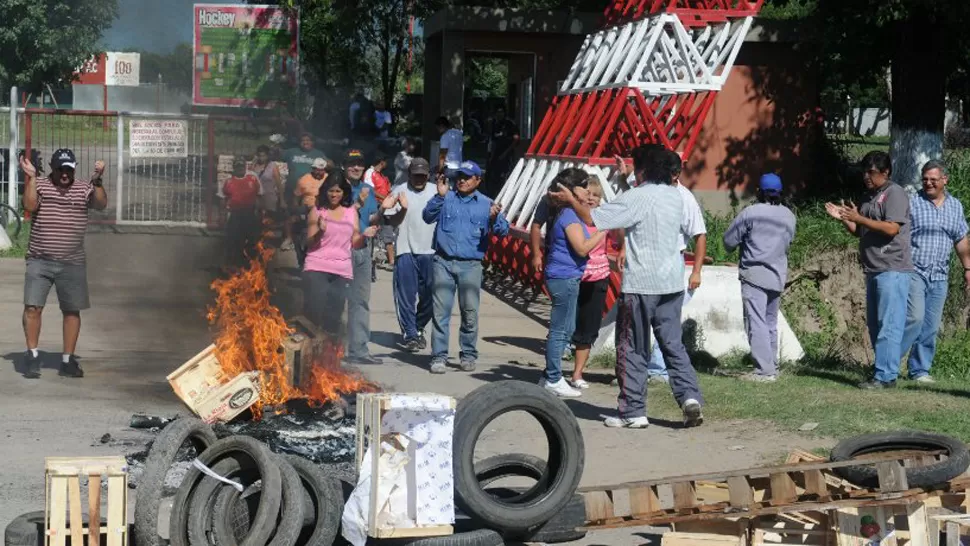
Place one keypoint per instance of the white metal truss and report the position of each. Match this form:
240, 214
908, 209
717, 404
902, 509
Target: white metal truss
658, 55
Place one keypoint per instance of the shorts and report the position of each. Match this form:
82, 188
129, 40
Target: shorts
589, 313
389, 234
70, 281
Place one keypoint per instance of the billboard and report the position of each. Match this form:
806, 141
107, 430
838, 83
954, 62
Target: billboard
111, 68
244, 55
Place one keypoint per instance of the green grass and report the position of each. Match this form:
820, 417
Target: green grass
19, 248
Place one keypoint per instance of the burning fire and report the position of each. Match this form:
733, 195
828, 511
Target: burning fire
250, 335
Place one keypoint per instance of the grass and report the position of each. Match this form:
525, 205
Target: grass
19, 248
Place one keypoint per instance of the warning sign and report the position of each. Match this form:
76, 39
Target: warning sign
158, 138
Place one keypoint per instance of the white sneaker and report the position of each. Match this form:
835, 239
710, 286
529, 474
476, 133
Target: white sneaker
627, 422
692, 413
925, 379
579, 383
561, 389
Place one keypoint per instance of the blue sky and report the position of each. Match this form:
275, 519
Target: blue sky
152, 25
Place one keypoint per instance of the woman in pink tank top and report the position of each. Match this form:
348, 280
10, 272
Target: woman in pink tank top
332, 232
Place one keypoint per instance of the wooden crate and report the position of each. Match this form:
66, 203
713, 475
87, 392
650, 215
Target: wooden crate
300, 348
370, 411
63, 510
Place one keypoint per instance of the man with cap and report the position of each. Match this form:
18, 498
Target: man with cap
305, 198
55, 253
414, 247
358, 301
241, 194
763, 231
466, 220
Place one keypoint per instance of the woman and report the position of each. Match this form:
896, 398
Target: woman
269, 178
592, 295
403, 160
332, 232
568, 243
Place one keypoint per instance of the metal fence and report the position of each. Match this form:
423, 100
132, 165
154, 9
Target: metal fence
178, 189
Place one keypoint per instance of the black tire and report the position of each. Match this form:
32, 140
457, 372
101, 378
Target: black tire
956, 463
160, 458
493, 469
327, 502
479, 537
290, 521
202, 501
564, 466
264, 523
28, 529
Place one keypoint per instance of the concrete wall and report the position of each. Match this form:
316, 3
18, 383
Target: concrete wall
144, 98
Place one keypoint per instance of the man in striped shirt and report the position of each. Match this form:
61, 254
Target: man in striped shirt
55, 253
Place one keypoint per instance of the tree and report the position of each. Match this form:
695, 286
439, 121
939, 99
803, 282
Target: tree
46, 41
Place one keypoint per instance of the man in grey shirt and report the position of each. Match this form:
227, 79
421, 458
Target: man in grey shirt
764, 231
653, 285
882, 224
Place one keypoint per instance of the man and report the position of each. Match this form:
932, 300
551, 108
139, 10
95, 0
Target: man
502, 143
939, 225
466, 219
415, 253
883, 226
692, 227
653, 285
305, 198
299, 163
55, 253
358, 301
241, 195
449, 147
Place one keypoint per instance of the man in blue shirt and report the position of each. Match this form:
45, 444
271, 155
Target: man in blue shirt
358, 301
939, 226
466, 220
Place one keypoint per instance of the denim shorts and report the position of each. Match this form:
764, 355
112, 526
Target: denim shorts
70, 281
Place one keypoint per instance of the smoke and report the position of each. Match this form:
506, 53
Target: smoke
150, 25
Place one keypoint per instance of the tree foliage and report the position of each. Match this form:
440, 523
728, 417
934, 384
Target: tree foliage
45, 41
173, 69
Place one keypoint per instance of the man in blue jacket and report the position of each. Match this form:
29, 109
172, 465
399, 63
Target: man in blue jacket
466, 220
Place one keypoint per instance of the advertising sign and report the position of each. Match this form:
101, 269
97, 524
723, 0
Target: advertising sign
158, 138
245, 55
122, 69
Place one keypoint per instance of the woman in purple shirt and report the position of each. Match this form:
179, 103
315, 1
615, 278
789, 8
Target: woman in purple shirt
568, 244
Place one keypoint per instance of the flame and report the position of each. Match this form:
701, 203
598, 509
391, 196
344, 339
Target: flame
250, 334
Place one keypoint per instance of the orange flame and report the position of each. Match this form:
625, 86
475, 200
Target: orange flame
250, 335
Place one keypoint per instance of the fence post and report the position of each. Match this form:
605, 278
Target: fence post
120, 166
213, 176
13, 164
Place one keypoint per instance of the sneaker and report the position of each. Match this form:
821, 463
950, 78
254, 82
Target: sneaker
657, 380
413, 345
422, 341
467, 365
627, 422
366, 360
71, 369
692, 413
875, 385
925, 379
438, 366
758, 378
579, 383
33, 366
561, 389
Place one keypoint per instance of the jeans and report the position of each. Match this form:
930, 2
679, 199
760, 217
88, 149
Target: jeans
761, 325
324, 298
465, 278
562, 322
886, 297
924, 314
358, 304
656, 367
413, 286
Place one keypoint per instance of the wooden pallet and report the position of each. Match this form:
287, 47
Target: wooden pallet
785, 489
63, 512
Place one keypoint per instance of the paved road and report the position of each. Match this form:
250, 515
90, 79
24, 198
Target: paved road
149, 293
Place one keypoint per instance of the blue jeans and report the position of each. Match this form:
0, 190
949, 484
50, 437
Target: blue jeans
562, 322
464, 277
924, 314
412, 292
886, 296
656, 367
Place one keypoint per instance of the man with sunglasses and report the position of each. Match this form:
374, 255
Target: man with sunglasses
59, 205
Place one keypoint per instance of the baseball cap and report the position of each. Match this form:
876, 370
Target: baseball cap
319, 163
419, 165
63, 158
770, 183
354, 157
470, 168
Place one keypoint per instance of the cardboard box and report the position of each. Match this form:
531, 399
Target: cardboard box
230, 399
205, 388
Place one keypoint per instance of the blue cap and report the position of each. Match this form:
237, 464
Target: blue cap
470, 168
770, 183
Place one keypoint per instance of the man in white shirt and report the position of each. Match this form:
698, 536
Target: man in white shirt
449, 147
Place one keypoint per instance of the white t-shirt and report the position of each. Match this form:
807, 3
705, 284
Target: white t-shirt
452, 141
693, 223
414, 236
369, 177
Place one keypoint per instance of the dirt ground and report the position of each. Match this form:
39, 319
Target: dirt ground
149, 293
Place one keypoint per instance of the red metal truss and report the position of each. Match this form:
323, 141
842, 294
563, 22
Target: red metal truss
692, 12
603, 124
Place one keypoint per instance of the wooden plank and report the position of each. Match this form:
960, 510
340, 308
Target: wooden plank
410, 532
75, 466
815, 483
884, 516
644, 500
117, 511
94, 510
782, 489
685, 495
918, 525
692, 539
74, 503
599, 506
740, 491
892, 476
953, 534
58, 511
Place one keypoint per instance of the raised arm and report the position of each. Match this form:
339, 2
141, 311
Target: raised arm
31, 199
